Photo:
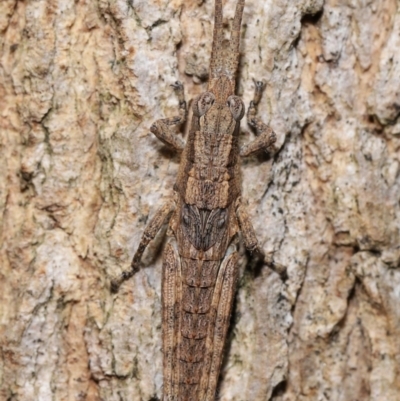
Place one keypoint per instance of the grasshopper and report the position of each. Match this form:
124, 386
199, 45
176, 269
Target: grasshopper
205, 216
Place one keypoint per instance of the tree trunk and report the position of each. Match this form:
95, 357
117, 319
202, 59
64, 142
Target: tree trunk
82, 81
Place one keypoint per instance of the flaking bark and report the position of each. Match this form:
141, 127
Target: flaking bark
81, 84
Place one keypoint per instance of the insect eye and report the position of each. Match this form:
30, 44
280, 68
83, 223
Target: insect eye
203, 103
236, 106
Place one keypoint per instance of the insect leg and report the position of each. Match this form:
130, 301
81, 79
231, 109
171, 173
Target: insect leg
266, 137
163, 128
171, 295
222, 303
251, 242
246, 227
162, 215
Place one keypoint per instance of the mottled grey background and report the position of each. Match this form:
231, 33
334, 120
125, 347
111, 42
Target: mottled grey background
82, 81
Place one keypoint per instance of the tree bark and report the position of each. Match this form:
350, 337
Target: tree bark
82, 81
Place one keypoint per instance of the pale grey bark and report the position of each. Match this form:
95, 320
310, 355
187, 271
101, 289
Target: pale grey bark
82, 81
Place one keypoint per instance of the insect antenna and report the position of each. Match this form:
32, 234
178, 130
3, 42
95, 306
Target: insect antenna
225, 54
235, 33
218, 38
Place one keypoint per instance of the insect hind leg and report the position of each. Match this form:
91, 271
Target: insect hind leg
170, 294
224, 296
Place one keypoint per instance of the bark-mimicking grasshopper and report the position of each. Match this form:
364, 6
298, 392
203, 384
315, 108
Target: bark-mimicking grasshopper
200, 259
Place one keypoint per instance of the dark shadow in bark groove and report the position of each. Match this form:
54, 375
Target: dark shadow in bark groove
279, 390
312, 19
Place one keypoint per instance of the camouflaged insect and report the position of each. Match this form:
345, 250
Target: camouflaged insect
205, 215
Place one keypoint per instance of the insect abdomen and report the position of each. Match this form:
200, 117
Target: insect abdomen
205, 291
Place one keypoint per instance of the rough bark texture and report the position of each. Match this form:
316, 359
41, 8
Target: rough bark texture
80, 84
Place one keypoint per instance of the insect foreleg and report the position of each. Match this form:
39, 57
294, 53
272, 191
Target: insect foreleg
162, 216
163, 128
266, 136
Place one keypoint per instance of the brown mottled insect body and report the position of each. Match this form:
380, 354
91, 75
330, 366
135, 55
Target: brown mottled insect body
200, 266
